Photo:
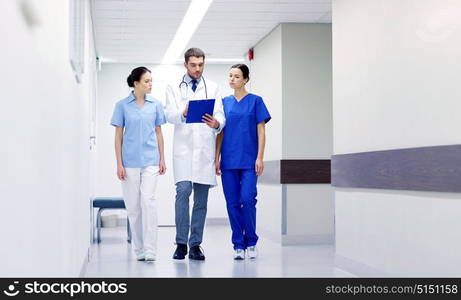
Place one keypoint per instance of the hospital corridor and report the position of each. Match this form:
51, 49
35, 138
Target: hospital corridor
230, 139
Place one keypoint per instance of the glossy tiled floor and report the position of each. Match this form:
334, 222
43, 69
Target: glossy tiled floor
114, 258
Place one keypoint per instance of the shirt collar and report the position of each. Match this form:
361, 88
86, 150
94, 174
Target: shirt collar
131, 97
188, 79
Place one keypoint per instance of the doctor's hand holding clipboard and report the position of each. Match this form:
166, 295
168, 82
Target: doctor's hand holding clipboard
198, 111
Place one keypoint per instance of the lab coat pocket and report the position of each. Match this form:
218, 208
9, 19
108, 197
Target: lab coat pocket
207, 143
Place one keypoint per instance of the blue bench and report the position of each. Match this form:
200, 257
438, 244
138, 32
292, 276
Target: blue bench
106, 203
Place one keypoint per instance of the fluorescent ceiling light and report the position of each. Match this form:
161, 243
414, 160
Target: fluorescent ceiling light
194, 15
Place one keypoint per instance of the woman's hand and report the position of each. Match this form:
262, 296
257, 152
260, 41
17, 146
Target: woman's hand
161, 167
217, 165
259, 166
121, 173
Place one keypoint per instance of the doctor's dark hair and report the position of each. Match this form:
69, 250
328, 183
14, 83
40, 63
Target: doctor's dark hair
244, 69
193, 52
136, 75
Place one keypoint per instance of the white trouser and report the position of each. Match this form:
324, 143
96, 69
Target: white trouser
141, 206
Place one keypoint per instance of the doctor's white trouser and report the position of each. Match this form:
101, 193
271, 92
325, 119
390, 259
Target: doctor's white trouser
139, 194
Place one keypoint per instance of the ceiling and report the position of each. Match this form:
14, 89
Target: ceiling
140, 31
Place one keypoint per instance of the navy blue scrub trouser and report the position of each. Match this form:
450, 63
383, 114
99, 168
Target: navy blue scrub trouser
239, 187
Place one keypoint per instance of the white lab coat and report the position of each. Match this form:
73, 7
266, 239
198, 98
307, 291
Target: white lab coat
193, 143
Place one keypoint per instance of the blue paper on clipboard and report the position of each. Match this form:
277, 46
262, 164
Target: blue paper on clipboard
198, 108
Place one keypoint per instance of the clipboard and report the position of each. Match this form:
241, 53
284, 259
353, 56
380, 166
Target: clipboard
198, 108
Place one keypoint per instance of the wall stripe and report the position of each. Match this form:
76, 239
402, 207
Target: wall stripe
287, 171
305, 171
435, 168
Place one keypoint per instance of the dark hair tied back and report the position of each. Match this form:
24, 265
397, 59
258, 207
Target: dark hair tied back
136, 75
244, 68
129, 81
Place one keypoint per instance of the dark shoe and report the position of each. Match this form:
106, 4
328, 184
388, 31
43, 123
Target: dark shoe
181, 251
196, 253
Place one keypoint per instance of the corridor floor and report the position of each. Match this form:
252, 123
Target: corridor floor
113, 257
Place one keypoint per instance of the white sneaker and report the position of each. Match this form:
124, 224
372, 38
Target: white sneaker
252, 252
140, 256
149, 256
239, 254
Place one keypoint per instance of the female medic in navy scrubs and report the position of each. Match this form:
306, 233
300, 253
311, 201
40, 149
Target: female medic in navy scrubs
241, 146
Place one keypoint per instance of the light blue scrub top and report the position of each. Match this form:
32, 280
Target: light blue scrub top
139, 146
239, 148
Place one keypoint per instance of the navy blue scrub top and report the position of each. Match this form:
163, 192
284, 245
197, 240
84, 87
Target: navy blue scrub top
239, 148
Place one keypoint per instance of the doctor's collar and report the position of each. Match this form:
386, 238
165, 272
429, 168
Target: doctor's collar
188, 79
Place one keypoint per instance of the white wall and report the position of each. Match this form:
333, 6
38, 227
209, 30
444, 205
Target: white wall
111, 88
398, 74
396, 85
266, 81
310, 211
308, 126
399, 234
45, 226
307, 91
291, 70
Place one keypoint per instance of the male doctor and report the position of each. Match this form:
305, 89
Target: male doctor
193, 151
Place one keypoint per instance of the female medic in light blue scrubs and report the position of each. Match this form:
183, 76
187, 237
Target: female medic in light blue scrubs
241, 145
140, 158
